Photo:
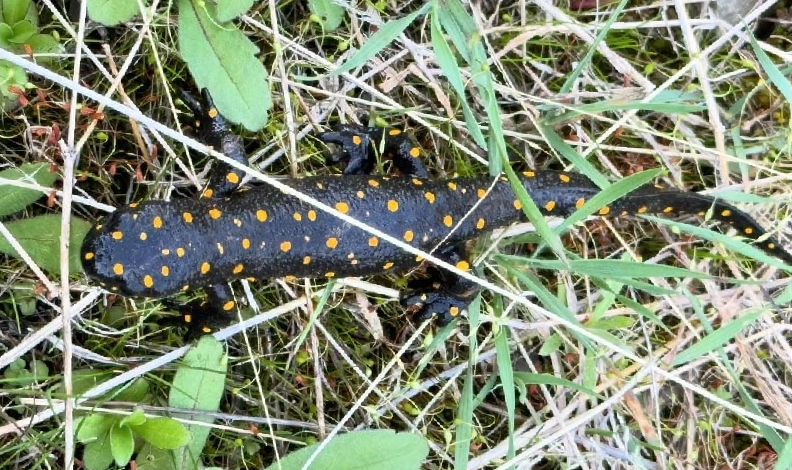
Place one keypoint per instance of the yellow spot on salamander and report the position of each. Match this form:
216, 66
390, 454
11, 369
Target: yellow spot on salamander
642, 209
550, 206
771, 246
417, 182
311, 215
356, 140
206, 329
285, 246
480, 224
361, 194
188, 218
564, 178
117, 235
228, 305
668, 209
393, 205
238, 268
261, 215
165, 251
748, 230
148, 281
157, 222
342, 207
726, 213
408, 235
394, 132
246, 243
165, 271
329, 274
212, 113
481, 193
332, 242
214, 213
207, 194
448, 221
388, 265
454, 311
373, 183
133, 205
220, 248
232, 178
143, 236
187, 318
118, 269
517, 204
205, 267
415, 152
429, 197
180, 252
529, 174
579, 203
452, 186
463, 265
89, 256
307, 260
373, 241
297, 216
237, 222
604, 211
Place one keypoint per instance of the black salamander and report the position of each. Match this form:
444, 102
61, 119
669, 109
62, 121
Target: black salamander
158, 248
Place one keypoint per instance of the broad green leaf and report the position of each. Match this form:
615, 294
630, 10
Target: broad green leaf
227, 10
14, 11
23, 30
164, 433
122, 444
13, 198
135, 419
784, 461
716, 339
198, 385
97, 455
113, 12
44, 44
327, 13
379, 41
222, 59
94, 426
551, 345
380, 449
6, 32
40, 237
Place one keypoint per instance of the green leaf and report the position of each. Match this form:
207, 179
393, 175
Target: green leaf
716, 339
530, 378
551, 345
327, 13
227, 10
380, 449
379, 41
198, 385
135, 419
40, 237
94, 426
15, 11
13, 198
113, 12
223, 60
163, 433
5, 33
784, 461
44, 44
122, 444
773, 74
97, 455
23, 30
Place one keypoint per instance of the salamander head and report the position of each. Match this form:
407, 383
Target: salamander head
127, 252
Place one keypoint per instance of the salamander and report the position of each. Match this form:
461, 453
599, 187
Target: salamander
159, 248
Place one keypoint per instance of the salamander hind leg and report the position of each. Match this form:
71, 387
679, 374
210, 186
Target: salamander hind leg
442, 295
213, 130
359, 146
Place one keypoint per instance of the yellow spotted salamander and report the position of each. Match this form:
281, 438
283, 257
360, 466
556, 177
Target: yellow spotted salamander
158, 248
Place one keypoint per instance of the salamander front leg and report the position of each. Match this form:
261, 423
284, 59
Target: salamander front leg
203, 317
360, 145
442, 294
213, 131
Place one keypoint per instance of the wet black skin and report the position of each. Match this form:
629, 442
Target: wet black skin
158, 248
